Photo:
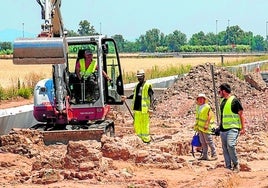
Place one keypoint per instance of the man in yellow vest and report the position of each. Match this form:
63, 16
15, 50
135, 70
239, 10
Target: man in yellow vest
232, 123
203, 125
142, 105
85, 67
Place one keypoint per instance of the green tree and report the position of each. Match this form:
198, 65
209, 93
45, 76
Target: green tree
234, 35
210, 39
71, 33
5, 45
175, 40
86, 29
153, 39
120, 42
258, 43
197, 38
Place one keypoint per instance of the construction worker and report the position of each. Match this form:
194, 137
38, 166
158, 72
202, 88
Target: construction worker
232, 123
142, 105
85, 66
204, 125
84, 69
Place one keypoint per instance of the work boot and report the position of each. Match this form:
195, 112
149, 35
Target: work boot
214, 158
236, 168
203, 158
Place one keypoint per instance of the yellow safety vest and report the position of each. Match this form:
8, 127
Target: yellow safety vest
230, 120
145, 98
201, 118
87, 72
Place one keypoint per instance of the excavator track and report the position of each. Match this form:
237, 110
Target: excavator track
75, 132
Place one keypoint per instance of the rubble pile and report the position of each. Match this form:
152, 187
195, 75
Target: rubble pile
178, 101
22, 141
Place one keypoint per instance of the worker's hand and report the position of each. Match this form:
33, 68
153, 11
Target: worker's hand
242, 131
123, 98
151, 112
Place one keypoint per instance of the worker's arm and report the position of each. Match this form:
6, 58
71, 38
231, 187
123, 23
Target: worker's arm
242, 120
77, 70
207, 123
123, 97
151, 94
106, 75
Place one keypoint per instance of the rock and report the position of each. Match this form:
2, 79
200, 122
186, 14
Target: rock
256, 81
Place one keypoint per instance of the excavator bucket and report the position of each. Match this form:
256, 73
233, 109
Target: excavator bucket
39, 51
54, 137
94, 131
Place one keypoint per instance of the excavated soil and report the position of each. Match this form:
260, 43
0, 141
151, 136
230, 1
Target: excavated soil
124, 161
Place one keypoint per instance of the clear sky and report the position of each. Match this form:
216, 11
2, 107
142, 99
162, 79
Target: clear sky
133, 18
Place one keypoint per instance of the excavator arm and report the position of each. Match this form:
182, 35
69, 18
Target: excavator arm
49, 47
50, 13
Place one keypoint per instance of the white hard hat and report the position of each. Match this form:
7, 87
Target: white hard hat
202, 95
140, 72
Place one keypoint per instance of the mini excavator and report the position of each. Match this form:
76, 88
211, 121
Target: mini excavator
65, 107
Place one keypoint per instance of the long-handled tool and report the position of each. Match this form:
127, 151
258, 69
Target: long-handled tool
129, 110
215, 92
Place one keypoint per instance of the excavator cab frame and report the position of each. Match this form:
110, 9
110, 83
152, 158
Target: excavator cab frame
105, 54
85, 100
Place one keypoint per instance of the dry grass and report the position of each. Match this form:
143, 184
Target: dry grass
10, 73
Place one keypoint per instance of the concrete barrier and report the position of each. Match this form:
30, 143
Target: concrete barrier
18, 117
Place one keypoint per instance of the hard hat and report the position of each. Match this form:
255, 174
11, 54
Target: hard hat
202, 95
88, 51
140, 72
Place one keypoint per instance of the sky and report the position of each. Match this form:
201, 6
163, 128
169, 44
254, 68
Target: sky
132, 19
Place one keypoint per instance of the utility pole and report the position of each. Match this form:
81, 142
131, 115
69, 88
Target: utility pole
266, 31
217, 42
22, 30
100, 28
228, 40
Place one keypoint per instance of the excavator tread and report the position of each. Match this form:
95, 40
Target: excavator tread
92, 131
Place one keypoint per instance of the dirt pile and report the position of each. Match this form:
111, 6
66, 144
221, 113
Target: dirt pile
125, 161
178, 101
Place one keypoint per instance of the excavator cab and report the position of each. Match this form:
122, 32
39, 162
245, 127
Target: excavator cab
95, 87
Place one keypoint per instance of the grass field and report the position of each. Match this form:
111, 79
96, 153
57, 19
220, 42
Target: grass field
10, 73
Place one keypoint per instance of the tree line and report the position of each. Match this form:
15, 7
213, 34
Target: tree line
233, 39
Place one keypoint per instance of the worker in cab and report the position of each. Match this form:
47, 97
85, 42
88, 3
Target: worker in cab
86, 66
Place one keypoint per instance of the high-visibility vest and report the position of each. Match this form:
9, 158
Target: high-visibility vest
201, 118
230, 120
145, 98
87, 72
